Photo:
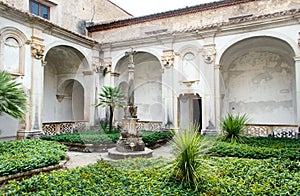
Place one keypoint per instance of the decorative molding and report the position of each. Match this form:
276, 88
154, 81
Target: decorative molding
168, 58
299, 40
37, 47
189, 83
87, 73
60, 98
209, 53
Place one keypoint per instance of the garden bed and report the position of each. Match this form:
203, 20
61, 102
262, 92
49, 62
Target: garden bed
223, 176
26, 155
99, 141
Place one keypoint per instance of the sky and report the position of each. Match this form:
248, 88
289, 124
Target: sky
146, 7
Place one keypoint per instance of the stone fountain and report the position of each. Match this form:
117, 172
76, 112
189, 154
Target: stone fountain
130, 144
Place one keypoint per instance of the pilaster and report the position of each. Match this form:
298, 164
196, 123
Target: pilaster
297, 75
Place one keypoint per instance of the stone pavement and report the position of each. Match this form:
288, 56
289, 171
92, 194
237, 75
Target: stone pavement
77, 159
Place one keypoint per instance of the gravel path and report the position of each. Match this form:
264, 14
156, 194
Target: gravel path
82, 159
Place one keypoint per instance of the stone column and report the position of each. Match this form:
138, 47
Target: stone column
217, 96
297, 75
167, 59
37, 85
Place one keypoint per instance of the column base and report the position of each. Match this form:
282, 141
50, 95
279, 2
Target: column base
30, 134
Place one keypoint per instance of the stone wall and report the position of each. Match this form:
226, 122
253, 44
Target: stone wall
206, 17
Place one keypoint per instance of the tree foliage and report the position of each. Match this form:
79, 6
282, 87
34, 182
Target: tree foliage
12, 98
113, 98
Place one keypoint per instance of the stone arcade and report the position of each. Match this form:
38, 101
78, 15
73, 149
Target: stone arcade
191, 65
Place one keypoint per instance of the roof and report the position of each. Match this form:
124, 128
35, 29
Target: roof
163, 15
25, 15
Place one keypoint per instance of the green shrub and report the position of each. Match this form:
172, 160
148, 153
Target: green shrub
101, 137
236, 176
261, 149
188, 148
226, 176
233, 127
102, 178
25, 155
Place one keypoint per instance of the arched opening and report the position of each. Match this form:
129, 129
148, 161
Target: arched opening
147, 83
190, 111
64, 93
258, 79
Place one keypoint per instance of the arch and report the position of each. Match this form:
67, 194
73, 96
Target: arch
147, 73
66, 96
258, 78
275, 35
120, 55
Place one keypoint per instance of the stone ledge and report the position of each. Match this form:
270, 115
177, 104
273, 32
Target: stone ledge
114, 154
30, 173
88, 147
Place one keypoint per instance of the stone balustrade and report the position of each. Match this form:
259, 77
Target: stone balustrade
272, 130
53, 128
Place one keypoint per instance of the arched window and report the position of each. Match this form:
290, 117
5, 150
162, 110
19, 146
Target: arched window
12, 50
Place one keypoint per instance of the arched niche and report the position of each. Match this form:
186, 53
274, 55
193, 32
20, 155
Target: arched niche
13, 44
258, 78
65, 96
147, 82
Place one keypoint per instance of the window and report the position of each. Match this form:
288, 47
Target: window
39, 9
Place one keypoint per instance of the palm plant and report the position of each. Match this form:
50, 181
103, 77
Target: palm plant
233, 128
12, 98
188, 147
113, 98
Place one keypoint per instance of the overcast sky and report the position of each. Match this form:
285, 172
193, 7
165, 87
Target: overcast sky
146, 7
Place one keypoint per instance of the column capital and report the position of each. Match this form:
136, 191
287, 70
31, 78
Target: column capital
168, 58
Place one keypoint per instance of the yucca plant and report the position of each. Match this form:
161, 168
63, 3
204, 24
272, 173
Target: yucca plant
188, 148
233, 128
12, 98
113, 98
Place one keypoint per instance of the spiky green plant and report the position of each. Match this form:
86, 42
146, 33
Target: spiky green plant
233, 128
113, 98
188, 148
12, 98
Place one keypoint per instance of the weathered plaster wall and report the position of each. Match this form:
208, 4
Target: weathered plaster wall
72, 14
198, 19
260, 81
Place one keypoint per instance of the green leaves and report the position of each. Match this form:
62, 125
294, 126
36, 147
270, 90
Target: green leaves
25, 155
233, 127
111, 96
188, 148
12, 98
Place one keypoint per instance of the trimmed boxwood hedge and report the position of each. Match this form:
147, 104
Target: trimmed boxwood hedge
258, 148
100, 137
225, 176
24, 155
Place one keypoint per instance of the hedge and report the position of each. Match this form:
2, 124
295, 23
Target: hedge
24, 155
224, 176
100, 137
258, 148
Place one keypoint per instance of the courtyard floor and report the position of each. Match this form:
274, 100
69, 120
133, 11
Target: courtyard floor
77, 159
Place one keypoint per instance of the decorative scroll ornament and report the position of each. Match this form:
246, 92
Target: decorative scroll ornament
168, 58
37, 51
209, 54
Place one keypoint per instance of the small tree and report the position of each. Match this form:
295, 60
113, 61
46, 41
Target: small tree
113, 98
12, 98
